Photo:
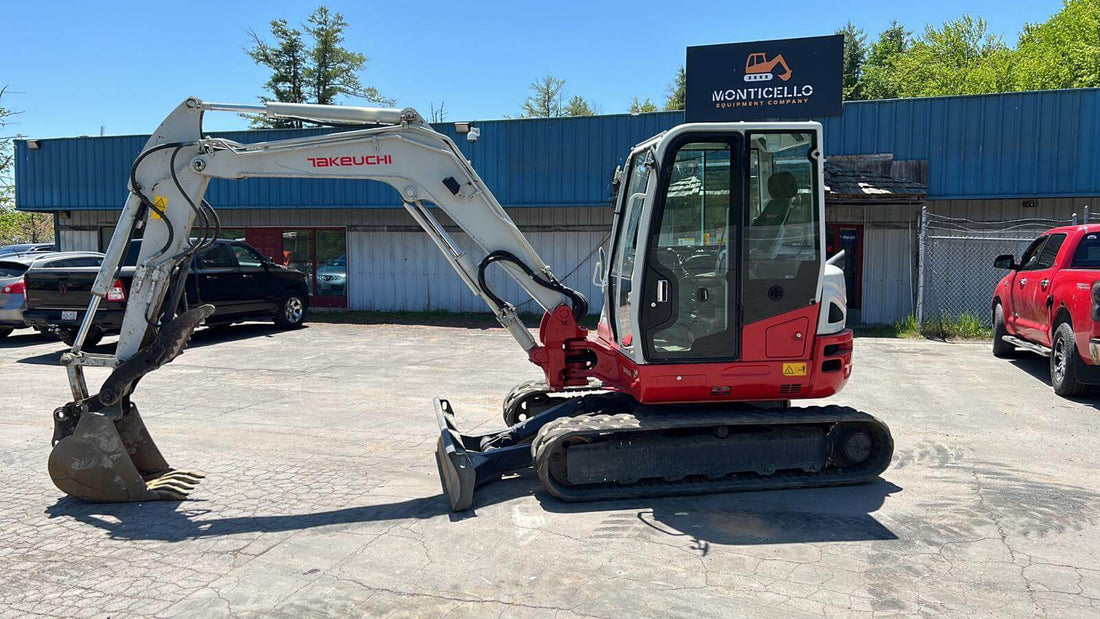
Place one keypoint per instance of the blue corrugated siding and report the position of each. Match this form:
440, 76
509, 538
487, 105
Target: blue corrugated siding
1031, 144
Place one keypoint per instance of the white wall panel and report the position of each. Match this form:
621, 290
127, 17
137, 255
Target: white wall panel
888, 269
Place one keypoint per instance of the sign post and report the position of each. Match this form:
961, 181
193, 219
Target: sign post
787, 78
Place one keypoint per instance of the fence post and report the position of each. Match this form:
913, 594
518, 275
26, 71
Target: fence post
1086, 218
921, 259
1073, 219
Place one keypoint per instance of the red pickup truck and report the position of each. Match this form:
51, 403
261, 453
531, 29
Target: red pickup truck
1049, 303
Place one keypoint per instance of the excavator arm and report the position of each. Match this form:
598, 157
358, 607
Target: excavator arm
167, 186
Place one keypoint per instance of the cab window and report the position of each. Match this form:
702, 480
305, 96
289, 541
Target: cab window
1030, 259
217, 257
246, 256
782, 224
1050, 251
626, 248
1087, 255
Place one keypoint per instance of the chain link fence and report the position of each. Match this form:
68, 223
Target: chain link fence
956, 272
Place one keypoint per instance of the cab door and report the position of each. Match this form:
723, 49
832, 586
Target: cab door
219, 280
628, 219
690, 283
1033, 287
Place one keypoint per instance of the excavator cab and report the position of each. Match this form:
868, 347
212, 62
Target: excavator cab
715, 229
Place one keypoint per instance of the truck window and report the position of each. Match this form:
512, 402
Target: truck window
1031, 254
217, 257
246, 256
1050, 251
1087, 255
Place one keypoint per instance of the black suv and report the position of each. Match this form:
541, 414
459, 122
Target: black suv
230, 275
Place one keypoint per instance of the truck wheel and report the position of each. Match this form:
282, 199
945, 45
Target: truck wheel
5, 332
292, 312
1001, 348
68, 336
1063, 365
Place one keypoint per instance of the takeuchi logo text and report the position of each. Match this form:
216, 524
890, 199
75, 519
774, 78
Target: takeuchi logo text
348, 161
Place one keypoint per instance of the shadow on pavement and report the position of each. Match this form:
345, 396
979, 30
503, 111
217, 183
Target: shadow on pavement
205, 336
840, 514
765, 517
25, 337
1039, 369
202, 337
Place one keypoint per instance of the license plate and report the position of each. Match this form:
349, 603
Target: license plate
68, 315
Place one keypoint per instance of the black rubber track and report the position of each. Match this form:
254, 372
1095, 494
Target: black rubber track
532, 397
551, 436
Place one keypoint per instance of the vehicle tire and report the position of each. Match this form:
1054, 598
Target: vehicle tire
1063, 365
292, 312
5, 332
68, 336
1001, 348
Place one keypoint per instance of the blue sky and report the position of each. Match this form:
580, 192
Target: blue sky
74, 66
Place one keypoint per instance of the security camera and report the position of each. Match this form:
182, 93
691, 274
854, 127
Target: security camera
473, 135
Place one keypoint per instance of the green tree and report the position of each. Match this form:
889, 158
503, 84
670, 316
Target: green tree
577, 106
677, 91
959, 58
1063, 52
546, 97
855, 52
286, 58
319, 73
641, 107
16, 226
333, 69
880, 77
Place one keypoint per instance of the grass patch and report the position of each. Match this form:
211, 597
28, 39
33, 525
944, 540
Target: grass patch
962, 327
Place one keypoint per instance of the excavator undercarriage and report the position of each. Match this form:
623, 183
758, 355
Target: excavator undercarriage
608, 446
719, 309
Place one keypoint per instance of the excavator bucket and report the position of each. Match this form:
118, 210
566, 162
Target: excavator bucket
114, 461
102, 451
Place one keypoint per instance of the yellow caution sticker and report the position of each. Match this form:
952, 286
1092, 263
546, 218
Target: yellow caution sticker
794, 369
161, 203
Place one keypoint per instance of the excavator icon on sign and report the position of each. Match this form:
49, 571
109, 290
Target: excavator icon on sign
759, 69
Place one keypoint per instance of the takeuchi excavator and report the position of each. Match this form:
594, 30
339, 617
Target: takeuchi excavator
719, 309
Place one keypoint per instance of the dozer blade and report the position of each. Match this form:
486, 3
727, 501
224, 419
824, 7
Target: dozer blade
108, 461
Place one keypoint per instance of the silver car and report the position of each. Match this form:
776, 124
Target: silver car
11, 292
12, 268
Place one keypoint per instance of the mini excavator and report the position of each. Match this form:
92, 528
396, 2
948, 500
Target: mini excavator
719, 310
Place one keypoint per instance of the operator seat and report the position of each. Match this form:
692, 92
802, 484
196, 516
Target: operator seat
782, 186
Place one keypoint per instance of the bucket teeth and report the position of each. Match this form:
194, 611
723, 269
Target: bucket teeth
174, 484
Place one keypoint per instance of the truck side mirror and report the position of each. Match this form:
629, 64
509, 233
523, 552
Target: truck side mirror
1006, 261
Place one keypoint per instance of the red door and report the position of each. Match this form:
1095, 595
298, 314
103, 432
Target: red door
268, 240
320, 253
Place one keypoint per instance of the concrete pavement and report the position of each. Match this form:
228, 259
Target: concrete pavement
322, 497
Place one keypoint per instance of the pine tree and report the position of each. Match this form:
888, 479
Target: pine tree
320, 73
677, 91
642, 107
545, 99
577, 106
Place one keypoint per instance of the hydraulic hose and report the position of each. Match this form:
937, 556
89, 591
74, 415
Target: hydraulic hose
576, 299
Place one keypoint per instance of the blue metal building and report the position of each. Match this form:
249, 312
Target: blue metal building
1003, 156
